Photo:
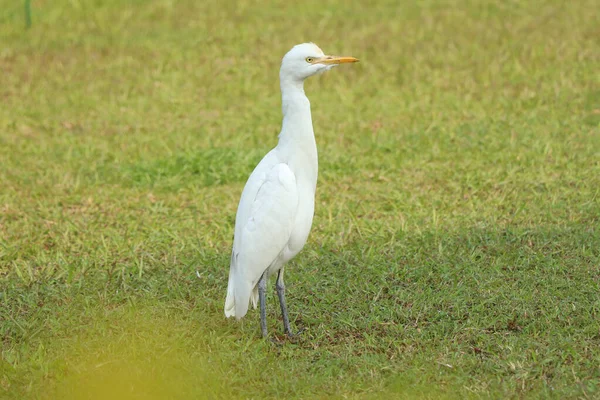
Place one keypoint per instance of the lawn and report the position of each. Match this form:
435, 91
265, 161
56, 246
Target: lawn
455, 250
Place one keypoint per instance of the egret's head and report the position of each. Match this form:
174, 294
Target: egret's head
307, 59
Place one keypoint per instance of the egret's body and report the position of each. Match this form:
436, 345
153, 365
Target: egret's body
276, 209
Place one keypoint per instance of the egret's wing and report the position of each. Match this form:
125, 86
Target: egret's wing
256, 179
262, 234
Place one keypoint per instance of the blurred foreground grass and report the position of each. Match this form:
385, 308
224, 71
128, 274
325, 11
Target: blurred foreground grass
455, 249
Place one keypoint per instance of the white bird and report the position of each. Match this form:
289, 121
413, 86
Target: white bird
276, 209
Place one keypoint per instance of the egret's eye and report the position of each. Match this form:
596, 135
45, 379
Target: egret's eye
310, 59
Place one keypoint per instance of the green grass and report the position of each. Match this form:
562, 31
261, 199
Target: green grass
455, 250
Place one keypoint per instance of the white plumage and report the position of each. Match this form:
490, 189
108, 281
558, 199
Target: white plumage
276, 209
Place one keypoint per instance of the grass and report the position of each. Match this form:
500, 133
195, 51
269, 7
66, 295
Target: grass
455, 246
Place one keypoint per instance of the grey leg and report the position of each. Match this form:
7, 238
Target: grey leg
262, 291
281, 294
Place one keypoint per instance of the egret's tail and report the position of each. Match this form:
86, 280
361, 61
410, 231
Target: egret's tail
238, 299
230, 300
239, 294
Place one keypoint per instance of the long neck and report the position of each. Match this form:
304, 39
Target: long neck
297, 139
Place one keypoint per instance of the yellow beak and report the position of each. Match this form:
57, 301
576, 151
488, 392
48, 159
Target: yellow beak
328, 60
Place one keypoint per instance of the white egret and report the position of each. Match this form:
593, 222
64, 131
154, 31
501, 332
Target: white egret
276, 209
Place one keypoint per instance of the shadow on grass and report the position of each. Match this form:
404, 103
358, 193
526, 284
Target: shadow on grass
481, 312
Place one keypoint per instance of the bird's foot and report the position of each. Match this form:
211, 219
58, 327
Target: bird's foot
291, 335
279, 340
294, 337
